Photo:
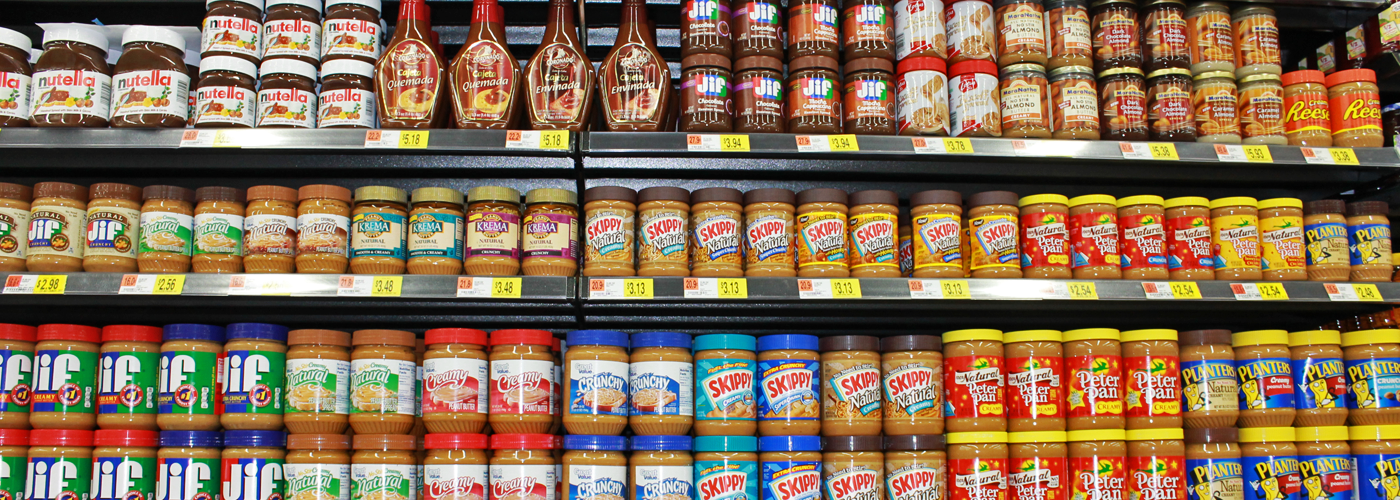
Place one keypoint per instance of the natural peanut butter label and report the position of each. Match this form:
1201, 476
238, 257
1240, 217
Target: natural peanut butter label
1097, 477
1209, 385
254, 381
452, 481
557, 85
1188, 243
378, 234
435, 235
383, 481
1046, 240
64, 381
346, 108
187, 383
112, 231
725, 389
1325, 476
14, 228
1217, 479
1035, 387
317, 481
918, 26
122, 477
55, 230
350, 37
522, 386
151, 92
493, 234
225, 106
550, 235
821, 239
916, 481
220, 234
1265, 383
661, 388
485, 79
14, 95
726, 479
873, 240
1370, 244
1156, 476
72, 92
1374, 383
1144, 242
1153, 386
382, 386
1273, 476
16, 373
975, 387
851, 391
662, 236
977, 478
716, 238
912, 389
274, 234
1094, 238
253, 479
291, 38
848, 481
1095, 385
231, 34
1322, 383
768, 238
318, 386
540, 482
1037, 478
166, 232
1281, 243
597, 387
1236, 241
935, 242
128, 383
906, 254
322, 233
609, 234
788, 390
286, 107
791, 480
58, 478
455, 385
994, 242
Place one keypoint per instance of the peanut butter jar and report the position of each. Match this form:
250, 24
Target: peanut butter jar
455, 397
378, 237
790, 464
124, 463
270, 230
522, 382
14, 223
1373, 451
609, 231
384, 466
661, 468
493, 232
1035, 379
318, 382
977, 464
725, 383
1094, 374
1324, 461
1157, 458
1319, 378
663, 228
598, 368
167, 229
113, 228
17, 350
661, 384
595, 465
1269, 458
218, 230
1369, 227
851, 399
1265, 370
188, 391
1209, 387
853, 467
716, 214
56, 219
323, 229
1045, 247
14, 453
1152, 370
1037, 465
725, 467
255, 460
256, 361
192, 459
911, 373
435, 228
821, 233
1325, 234
383, 382
769, 233
65, 372
1373, 374
456, 466
973, 378
1097, 463
62, 451
1213, 468
129, 374
549, 234
1093, 237
318, 465
916, 467
523, 465
788, 403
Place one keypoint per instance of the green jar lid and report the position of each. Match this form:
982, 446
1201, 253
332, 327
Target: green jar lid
381, 193
551, 195
437, 194
493, 193
726, 443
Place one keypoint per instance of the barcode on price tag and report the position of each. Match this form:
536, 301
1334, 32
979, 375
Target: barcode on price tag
716, 288
709, 143
1259, 291
1352, 292
1240, 154
489, 288
36, 284
628, 288
152, 284
828, 289
1171, 290
537, 139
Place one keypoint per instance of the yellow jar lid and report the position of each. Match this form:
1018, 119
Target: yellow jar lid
1267, 434
976, 437
1187, 201
1153, 434
1280, 202
1314, 337
974, 334
1234, 201
1033, 336
1036, 437
1363, 337
1095, 435
1044, 198
1259, 337
1093, 198
1142, 199
1092, 334
1330, 433
1373, 432
1151, 334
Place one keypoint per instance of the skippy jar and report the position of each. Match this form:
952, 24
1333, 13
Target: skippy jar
788, 399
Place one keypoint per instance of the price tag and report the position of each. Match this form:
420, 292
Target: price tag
828, 289
1352, 292
846, 142
1148, 151
36, 284
1082, 290
947, 145
260, 284
717, 143
1043, 148
152, 284
938, 289
1343, 156
198, 138
396, 139
1259, 291
827, 143
537, 139
489, 288
716, 288
370, 286
1330, 156
1242, 154
1171, 290
630, 288
961, 146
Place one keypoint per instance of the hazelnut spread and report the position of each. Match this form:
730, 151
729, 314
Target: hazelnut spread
597, 365
455, 395
351, 31
292, 30
852, 467
813, 100
15, 73
705, 101
594, 466
1263, 363
150, 86
1094, 375
851, 399
1373, 373
318, 465
17, 350
347, 95
64, 392
1213, 467
72, 81
758, 94
1152, 371
232, 28
1117, 36
382, 382
256, 355
1035, 379
789, 371
661, 468
790, 467
225, 96
726, 467
188, 397
113, 228
1209, 387
725, 380
318, 381
130, 357
287, 97
661, 383
973, 377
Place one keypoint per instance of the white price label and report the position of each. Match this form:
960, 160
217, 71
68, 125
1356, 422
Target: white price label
260, 284
716, 288
814, 289
626, 288
1045, 148
1135, 151
198, 138
1246, 291
396, 139
1320, 156
813, 144
1157, 290
925, 289
1056, 291
354, 286
537, 139
929, 146
151, 284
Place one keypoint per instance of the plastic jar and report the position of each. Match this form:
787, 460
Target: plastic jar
911, 368
1209, 383
1372, 447
1036, 465
1157, 458
270, 230
323, 229
1261, 109
1117, 41
1210, 38
187, 398
318, 465
973, 380
1074, 103
455, 466
919, 30
664, 214
1281, 239
1213, 467
1094, 371
256, 460
1045, 240
1235, 238
725, 377
597, 365
1265, 372
1307, 119
64, 392
716, 215
758, 92
594, 465
1143, 237
1216, 105
1371, 374
1093, 232
218, 230
1164, 35
1169, 105
17, 347
726, 466
256, 355
57, 218
1369, 229
435, 227
916, 466
492, 231
14, 219
1020, 33
971, 27
813, 103
123, 463
609, 231
1319, 378
64, 451
1256, 41
1355, 109
318, 382
1123, 104
814, 29
871, 229
1152, 370
770, 242
130, 372
1189, 252
868, 30
851, 401
112, 231
1325, 233
1325, 463
661, 382
923, 96
1035, 369
197, 453
705, 102
377, 230
455, 395
793, 463
788, 404
868, 97
977, 462
936, 221
992, 235
974, 99
382, 385
549, 239
167, 227
852, 467
1025, 108
379, 460
1268, 456
1070, 38
821, 233
1097, 462
660, 467
522, 381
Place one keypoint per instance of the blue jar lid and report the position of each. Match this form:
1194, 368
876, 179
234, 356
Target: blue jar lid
661, 339
191, 331
255, 438
257, 331
726, 443
787, 342
725, 341
599, 443
597, 337
1391, 107
661, 443
192, 439
790, 443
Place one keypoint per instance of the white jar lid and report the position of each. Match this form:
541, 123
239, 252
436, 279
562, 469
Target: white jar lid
373, 4
228, 63
313, 4
154, 34
255, 3
76, 34
15, 39
292, 66
346, 67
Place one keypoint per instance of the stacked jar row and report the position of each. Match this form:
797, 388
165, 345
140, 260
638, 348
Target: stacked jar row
262, 30
320, 228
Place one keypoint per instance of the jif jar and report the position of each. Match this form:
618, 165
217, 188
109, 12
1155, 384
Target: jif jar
435, 227
868, 100
549, 233
56, 221
377, 237
381, 456
14, 218
113, 228
188, 352
318, 382
705, 102
493, 231
1235, 238
72, 405
270, 230
167, 224
455, 381
17, 344
377, 405
131, 451
758, 94
194, 450
257, 453
323, 229
136, 349
63, 451
254, 349
966, 351
818, 113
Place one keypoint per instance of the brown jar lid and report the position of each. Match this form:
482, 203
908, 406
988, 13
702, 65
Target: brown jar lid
916, 442
321, 337
381, 193
663, 193
115, 190
714, 60
994, 198
383, 337
812, 62
822, 195
852, 443
277, 193
936, 196
219, 193
758, 62
869, 63
874, 196
318, 442
163, 192
1205, 337
911, 343
385, 442
1324, 207
11, 191
849, 343
611, 193
493, 193
770, 195
1212, 435
551, 195
438, 194
1367, 208
716, 194
61, 190
329, 191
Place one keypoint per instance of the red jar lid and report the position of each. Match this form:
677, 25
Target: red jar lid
921, 63
973, 66
80, 333
1351, 75
14, 437
454, 336
60, 437
1303, 76
124, 437
526, 337
11, 331
133, 333
455, 441
522, 441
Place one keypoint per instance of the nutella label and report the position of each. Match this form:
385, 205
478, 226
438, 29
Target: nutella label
275, 234
224, 106
923, 102
485, 81
72, 92
411, 89
14, 95
350, 37
234, 35
918, 27
291, 38
631, 84
557, 82
112, 231
14, 224
294, 107
346, 108
151, 92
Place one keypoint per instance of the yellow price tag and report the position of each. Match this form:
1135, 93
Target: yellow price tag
1344, 156
222, 140
738, 143
1258, 154
845, 142
1364, 292
55, 284
386, 286
957, 145
549, 139
1272, 291
169, 284
955, 289
505, 288
1163, 151
418, 139
637, 289
733, 288
845, 289
1185, 290
1083, 291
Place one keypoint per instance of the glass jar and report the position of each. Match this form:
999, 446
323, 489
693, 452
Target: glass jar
992, 235
549, 239
663, 231
727, 408
1369, 227
522, 379
1071, 39
1074, 103
493, 231
1216, 102
1045, 247
716, 215
1123, 104
323, 229
63, 390
1307, 121
1169, 106
1020, 26
1281, 239
1034, 375
318, 382
1256, 42
1143, 237
821, 233
966, 351
1356, 110
1189, 252
167, 225
377, 236
435, 228
218, 230
270, 230
382, 382
113, 228
1261, 109
187, 399
56, 220
1094, 374
1093, 237
1209, 385
1025, 110
610, 215
1210, 38
1235, 237
126, 394
1117, 40
1164, 36
256, 360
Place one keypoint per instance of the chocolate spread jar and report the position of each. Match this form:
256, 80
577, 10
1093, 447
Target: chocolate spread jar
347, 94
72, 81
14, 78
868, 97
149, 85
232, 28
758, 28
287, 98
757, 90
351, 31
293, 31
706, 104
813, 106
225, 96
705, 28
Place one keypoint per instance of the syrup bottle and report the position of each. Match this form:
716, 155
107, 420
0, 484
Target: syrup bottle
560, 78
408, 77
634, 83
485, 77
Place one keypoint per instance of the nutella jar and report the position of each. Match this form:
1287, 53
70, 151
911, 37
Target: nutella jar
919, 29
232, 28
347, 95
292, 30
911, 368
150, 85
1164, 35
1025, 107
15, 73
1097, 463
1020, 26
813, 103
1123, 104
922, 84
1265, 369
973, 378
868, 98
813, 30
72, 81
1213, 468
705, 29
1369, 354
1209, 387
1319, 378
758, 94
1094, 371
868, 30
972, 33
758, 29
851, 401
1074, 103
225, 96
352, 31
706, 104
1117, 40
1035, 376
1169, 107
853, 467
287, 97
1152, 371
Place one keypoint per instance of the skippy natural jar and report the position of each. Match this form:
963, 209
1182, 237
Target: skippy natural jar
911, 368
851, 394
725, 375
853, 467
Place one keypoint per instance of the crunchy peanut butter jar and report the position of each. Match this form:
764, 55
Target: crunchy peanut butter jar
1373, 373
1373, 451
318, 382
188, 394
788, 398
1264, 367
595, 465
256, 361
128, 374
598, 368
851, 399
254, 461
1319, 378
661, 468
270, 230
792, 464
853, 467
911, 369
383, 374
455, 398
323, 229
661, 384
916, 467
318, 465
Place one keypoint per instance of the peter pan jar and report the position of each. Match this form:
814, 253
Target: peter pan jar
974, 380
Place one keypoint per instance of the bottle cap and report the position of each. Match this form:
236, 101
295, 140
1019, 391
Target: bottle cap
192, 439
162, 192
22, 333
597, 337
613, 193
78, 333
219, 193
276, 333
322, 191
916, 442
1092, 334
114, 190
935, 196
493, 193
1033, 336
154, 34
381, 193
288, 67
1149, 334
787, 342
823, 195
61, 190
993, 198
60, 437
660, 339
921, 63
382, 337
191, 331
726, 341
76, 34
131, 333
384, 442
789, 443
437, 194
318, 442
1324, 207
726, 443
874, 197
522, 441
275, 439
454, 441
454, 336
852, 443
551, 195
318, 337
663, 193
973, 334
721, 194
598, 443
277, 193
524, 337
849, 343
14, 437
911, 343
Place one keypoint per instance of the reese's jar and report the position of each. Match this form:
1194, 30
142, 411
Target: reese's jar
1373, 373
911, 369
1152, 371
977, 465
1209, 389
725, 378
790, 467
597, 366
253, 461
974, 381
594, 466
1319, 378
189, 393
65, 374
1375, 450
1037, 465
788, 403
916, 467
1213, 469
382, 382
1094, 371
1097, 463
851, 400
852, 467
60, 464
1035, 371
129, 373
123, 464
661, 468
1270, 461
726, 467
256, 356
1265, 373
318, 465
661, 384
17, 356
1324, 463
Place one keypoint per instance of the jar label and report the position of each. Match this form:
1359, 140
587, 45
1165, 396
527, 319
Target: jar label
558, 82
346, 108
768, 238
1124, 106
1213, 39
72, 92
1039, 478
975, 387
977, 478
350, 37
1325, 477
188, 385
1097, 477
14, 228
14, 97
906, 254
318, 386
225, 106
1307, 111
1022, 29
1272, 476
759, 99
1022, 102
521, 386
275, 234
409, 90
1188, 243
486, 79
220, 234
716, 238
455, 385
120, 477
912, 389
789, 390
1261, 111
662, 388
709, 91
821, 239
971, 31
725, 480
432, 234
1256, 40
151, 92
1094, 236
597, 387
1070, 34
1321, 383
16, 374
1281, 243
128, 383
813, 23
813, 96
112, 231
1214, 479
1115, 35
791, 480
1144, 242
1371, 380
291, 38
662, 236
1153, 386
918, 27
254, 381
758, 24
233, 35
1075, 104
993, 241
1236, 241
853, 391
1209, 385
1266, 383
317, 480
662, 482
189, 478
868, 99
63, 381
253, 479
1376, 475
286, 107
1035, 387
923, 102
1170, 109
916, 481
386, 480
1370, 244
873, 240
1046, 240
1327, 243
631, 85
377, 234
384, 386
609, 236
1166, 34
449, 481
166, 232
550, 235
1217, 110
936, 241
1095, 385
864, 23
1156, 476
853, 482
493, 234
725, 389
319, 233
973, 102
55, 230
58, 478
597, 482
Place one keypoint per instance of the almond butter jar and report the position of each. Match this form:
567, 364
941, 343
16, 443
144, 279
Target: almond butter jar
1037, 465
188, 382
323, 229
1215, 102
1169, 108
1210, 37
1117, 40
377, 230
853, 467
725, 382
1025, 103
65, 371
113, 228
1035, 378
384, 466
256, 355
594, 465
455, 395
1097, 463
1325, 234
1213, 468
522, 382
661, 468
661, 384
130, 373
1070, 38
1152, 370
597, 366
17, 350
318, 465
455, 466
1265, 369
270, 230
1261, 110
1370, 360
1074, 103
974, 381
978, 464
167, 227
382, 382
916, 466
218, 230
318, 382
609, 231
911, 368
1157, 458
851, 400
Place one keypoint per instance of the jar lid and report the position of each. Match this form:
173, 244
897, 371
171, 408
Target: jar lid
720, 194
849, 343
191, 331
278, 193
11, 191
726, 443
911, 343
321, 337
438, 194
382, 337
921, 64
125, 437
597, 337
1367, 208
276, 439
1169, 71
868, 64
976, 437
386, 442
1359, 337
1120, 71
161, 192
663, 443
1212, 435
60, 437
809, 62
1390, 107
555, 345
712, 60
1036, 437
1068, 70
551, 195
758, 62
663, 193
852, 443
276, 333
770, 195
328, 191
1280, 203
1214, 74
616, 193
971, 67
14, 437
115, 190
1303, 76
1106, 2
219, 193
1090, 199
1260, 78
936, 196
1330, 433
660, 339
79, 333
1267, 435
1092, 334
1037, 199
785, 342
78, 34
454, 336
993, 198
1033, 336
381, 193
1142, 199
313, 4
1234, 201
916, 442
1095, 435
131, 333
1016, 68
1152, 434
288, 67
11, 331
493, 193
1153, 2
16, 39
455, 441
61, 190
874, 197
346, 67
726, 341
1205, 337
373, 4
318, 442
523, 337
788, 443
153, 34
1373, 432
228, 63
583, 442
1149, 334
255, 3
822, 195
1324, 207
1314, 337
1259, 337
1187, 201
972, 334
192, 439
1350, 76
